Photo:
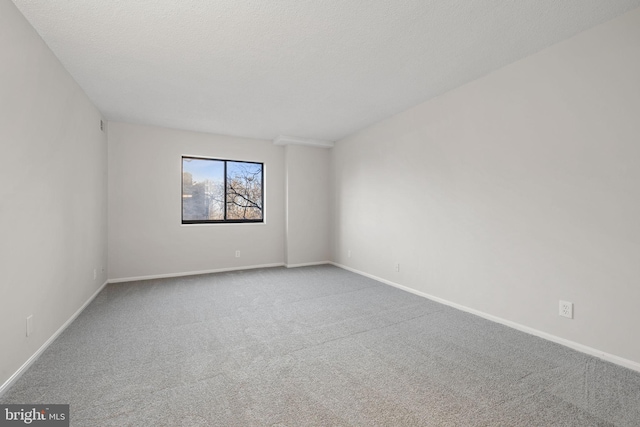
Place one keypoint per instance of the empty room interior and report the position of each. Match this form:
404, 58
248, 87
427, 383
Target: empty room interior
321, 212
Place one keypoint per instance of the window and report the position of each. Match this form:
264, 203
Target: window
215, 191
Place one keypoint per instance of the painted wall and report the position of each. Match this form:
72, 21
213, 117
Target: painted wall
512, 192
146, 237
53, 206
308, 209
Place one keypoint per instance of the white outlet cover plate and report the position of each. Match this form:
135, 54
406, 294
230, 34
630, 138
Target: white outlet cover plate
566, 309
29, 325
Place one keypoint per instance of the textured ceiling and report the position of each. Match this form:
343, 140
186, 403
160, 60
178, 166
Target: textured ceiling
319, 69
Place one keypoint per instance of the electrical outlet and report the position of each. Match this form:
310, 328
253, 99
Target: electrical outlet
95, 274
30, 325
349, 253
397, 267
237, 254
566, 309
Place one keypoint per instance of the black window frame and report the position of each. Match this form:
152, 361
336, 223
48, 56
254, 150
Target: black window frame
225, 220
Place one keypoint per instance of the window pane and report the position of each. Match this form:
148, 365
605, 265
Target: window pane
202, 189
244, 190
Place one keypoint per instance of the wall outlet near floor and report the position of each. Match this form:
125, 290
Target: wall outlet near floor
95, 274
29, 324
397, 267
349, 253
566, 309
237, 254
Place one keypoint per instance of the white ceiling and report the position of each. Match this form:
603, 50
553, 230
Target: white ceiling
319, 69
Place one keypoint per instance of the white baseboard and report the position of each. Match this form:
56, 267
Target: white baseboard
13, 378
194, 273
567, 343
307, 264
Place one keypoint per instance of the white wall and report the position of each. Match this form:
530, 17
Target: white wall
53, 212
512, 192
146, 237
308, 210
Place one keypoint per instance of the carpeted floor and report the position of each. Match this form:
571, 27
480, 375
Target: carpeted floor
312, 346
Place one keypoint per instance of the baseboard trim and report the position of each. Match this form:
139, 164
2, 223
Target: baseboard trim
13, 378
194, 273
553, 338
307, 264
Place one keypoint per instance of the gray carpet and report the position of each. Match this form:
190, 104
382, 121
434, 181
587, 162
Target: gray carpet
312, 346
